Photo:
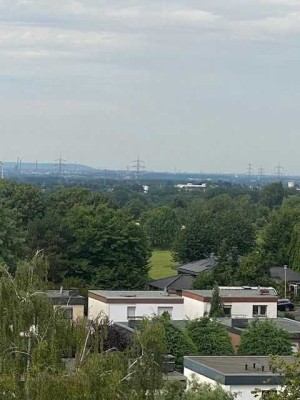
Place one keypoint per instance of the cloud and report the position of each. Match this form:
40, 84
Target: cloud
268, 28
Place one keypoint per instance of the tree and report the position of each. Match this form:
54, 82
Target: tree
272, 195
161, 226
205, 280
195, 240
216, 308
294, 248
178, 343
196, 391
252, 270
217, 341
109, 249
12, 241
264, 338
277, 235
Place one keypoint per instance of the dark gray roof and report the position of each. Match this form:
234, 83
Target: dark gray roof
278, 273
196, 267
231, 370
178, 282
65, 297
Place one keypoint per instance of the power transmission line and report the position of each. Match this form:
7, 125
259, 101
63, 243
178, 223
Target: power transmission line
139, 167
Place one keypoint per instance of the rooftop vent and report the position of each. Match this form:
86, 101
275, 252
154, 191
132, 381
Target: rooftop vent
264, 291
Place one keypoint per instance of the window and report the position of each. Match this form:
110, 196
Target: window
259, 311
227, 311
131, 312
164, 310
68, 312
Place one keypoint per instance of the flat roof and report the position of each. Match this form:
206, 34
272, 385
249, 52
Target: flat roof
134, 296
236, 292
64, 297
236, 370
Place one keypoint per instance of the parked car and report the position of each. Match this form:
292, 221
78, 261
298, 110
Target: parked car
285, 305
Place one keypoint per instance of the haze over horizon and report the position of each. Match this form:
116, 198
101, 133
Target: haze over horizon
203, 85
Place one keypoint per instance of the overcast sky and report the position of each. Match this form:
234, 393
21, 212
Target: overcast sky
199, 85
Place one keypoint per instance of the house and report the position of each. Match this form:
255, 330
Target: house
187, 273
292, 278
238, 302
236, 326
278, 273
175, 283
120, 306
240, 375
195, 268
70, 301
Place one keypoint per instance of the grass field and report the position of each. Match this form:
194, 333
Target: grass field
161, 264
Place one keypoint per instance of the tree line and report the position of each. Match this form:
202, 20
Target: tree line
104, 239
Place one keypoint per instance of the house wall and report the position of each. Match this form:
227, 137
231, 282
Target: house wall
117, 312
96, 308
78, 310
243, 392
196, 308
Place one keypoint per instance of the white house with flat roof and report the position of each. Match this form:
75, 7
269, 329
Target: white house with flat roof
121, 306
239, 375
238, 302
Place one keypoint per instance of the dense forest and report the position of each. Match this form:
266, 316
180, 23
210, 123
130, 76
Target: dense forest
103, 238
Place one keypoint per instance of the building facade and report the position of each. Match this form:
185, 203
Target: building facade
121, 306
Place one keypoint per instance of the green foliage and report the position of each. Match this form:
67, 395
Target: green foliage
196, 391
207, 225
195, 240
216, 307
210, 337
294, 248
252, 270
272, 195
161, 226
205, 280
178, 343
264, 338
277, 235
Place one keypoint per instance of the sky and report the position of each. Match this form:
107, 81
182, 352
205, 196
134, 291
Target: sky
198, 85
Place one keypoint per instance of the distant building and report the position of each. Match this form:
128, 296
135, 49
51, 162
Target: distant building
120, 306
70, 301
190, 186
278, 273
238, 301
240, 375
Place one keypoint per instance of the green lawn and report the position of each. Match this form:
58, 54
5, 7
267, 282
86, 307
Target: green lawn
161, 264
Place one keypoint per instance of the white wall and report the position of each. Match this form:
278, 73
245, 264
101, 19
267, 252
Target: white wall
243, 392
96, 307
196, 308
118, 312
